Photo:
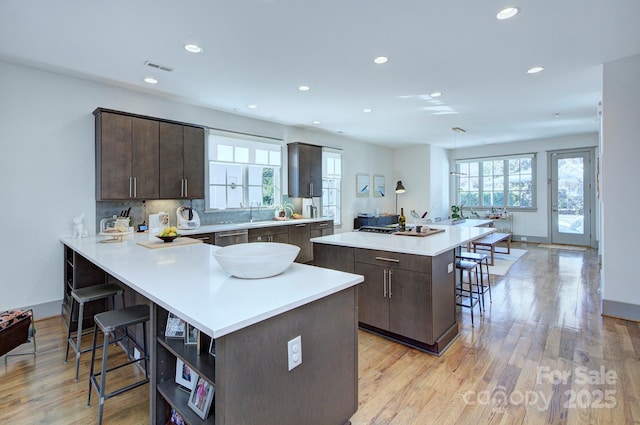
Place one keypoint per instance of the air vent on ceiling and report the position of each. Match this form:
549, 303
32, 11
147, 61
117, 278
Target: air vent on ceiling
156, 66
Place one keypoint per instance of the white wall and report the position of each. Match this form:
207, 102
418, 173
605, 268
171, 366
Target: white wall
620, 170
529, 223
439, 182
47, 168
411, 166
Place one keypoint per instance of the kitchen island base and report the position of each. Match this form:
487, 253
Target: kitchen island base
250, 368
437, 348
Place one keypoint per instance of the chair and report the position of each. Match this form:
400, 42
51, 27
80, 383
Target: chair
81, 296
480, 259
111, 322
462, 293
16, 328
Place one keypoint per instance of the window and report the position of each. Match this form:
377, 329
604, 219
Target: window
503, 182
332, 185
242, 170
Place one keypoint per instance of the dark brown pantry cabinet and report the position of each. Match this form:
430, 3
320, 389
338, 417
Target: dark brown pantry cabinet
305, 170
127, 152
181, 161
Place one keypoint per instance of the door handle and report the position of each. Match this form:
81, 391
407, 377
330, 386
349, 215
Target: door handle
384, 283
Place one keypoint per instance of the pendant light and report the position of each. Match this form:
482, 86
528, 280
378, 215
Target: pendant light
460, 131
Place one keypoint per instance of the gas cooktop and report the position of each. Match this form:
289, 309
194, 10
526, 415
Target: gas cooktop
378, 229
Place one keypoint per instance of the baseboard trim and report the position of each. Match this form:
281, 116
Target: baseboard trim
621, 310
44, 310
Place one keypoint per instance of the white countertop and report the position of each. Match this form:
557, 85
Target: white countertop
188, 281
431, 246
212, 228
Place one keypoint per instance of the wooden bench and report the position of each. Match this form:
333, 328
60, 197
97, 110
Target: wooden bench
490, 242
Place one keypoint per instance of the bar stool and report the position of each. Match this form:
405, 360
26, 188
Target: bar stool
481, 259
112, 321
461, 292
82, 296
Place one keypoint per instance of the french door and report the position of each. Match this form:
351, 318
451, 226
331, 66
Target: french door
571, 177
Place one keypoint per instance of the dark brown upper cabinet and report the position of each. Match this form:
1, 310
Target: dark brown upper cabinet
140, 157
181, 161
127, 152
305, 170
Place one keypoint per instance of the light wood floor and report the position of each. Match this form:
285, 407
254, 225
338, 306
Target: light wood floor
544, 323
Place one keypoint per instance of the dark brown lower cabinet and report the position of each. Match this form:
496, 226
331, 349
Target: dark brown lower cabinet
249, 370
405, 297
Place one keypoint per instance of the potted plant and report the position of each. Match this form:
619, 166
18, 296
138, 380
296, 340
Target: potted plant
457, 216
282, 210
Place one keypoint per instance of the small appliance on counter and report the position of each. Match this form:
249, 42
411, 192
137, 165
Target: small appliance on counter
188, 218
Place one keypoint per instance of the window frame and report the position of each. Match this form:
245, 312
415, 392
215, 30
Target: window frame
505, 183
326, 178
242, 141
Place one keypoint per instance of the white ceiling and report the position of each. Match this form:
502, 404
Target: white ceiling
260, 51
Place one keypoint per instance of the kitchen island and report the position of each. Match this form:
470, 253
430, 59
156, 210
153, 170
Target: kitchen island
250, 323
408, 293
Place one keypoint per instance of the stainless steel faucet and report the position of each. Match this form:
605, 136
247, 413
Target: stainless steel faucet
251, 209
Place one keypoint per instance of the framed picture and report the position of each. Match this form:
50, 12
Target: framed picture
201, 398
212, 347
175, 327
378, 186
362, 185
176, 418
185, 376
191, 336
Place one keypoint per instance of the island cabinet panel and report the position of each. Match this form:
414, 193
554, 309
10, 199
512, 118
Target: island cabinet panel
127, 151
269, 234
181, 161
334, 257
406, 297
250, 374
204, 237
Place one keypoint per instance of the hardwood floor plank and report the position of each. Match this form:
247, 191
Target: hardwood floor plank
544, 323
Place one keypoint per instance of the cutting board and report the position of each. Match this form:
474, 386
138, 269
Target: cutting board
421, 234
176, 242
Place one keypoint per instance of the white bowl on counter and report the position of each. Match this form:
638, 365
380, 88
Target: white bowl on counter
256, 260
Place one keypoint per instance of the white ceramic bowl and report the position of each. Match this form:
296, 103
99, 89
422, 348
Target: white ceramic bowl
256, 260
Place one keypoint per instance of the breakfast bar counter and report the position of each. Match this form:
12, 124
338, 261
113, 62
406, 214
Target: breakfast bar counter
250, 322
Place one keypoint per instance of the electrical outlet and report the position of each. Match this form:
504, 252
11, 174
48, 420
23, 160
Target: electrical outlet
294, 350
523, 238
450, 268
136, 353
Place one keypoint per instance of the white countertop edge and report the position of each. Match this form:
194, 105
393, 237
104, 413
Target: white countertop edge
212, 228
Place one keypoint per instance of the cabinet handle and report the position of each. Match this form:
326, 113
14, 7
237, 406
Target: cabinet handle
390, 274
135, 187
182, 188
130, 186
392, 260
301, 225
186, 188
311, 189
228, 235
384, 283
323, 224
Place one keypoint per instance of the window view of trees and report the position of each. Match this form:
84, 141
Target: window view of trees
497, 182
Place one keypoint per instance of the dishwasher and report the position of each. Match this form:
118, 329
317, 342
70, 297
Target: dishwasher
231, 237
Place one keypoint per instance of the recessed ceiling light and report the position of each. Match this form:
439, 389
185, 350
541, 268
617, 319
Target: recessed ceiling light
252, 106
381, 59
150, 80
535, 70
193, 48
556, 115
367, 110
315, 122
304, 88
436, 94
507, 13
